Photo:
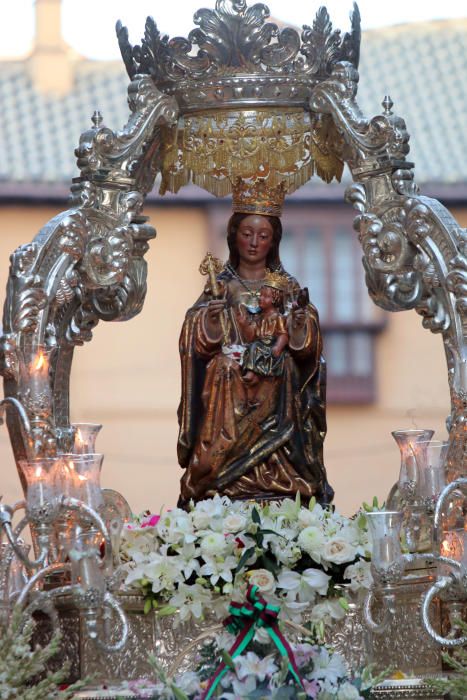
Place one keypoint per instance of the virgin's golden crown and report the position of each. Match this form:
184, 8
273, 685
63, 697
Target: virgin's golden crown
257, 197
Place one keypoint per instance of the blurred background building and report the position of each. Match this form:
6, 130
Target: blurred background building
385, 371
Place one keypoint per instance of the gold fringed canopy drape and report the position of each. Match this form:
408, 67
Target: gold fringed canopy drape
212, 149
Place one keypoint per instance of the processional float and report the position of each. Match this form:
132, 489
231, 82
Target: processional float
238, 99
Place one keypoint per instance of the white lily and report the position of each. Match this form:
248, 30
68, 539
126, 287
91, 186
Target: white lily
191, 600
250, 664
328, 666
218, 567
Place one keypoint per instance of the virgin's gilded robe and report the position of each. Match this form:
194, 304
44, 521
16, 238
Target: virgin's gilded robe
227, 445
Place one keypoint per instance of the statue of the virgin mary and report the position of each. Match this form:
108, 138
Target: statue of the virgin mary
270, 447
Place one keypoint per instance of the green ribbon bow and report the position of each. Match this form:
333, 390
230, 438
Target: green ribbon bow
244, 619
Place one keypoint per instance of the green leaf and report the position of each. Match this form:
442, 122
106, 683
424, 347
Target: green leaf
158, 668
147, 606
255, 516
244, 558
298, 500
166, 610
343, 602
271, 532
362, 521
179, 694
312, 503
227, 659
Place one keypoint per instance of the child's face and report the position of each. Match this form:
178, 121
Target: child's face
266, 300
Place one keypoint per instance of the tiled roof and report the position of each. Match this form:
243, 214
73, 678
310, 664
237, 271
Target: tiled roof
422, 66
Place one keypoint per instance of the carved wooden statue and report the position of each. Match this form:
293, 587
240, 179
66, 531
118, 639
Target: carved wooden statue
252, 414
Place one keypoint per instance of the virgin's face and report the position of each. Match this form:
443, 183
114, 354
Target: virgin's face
254, 238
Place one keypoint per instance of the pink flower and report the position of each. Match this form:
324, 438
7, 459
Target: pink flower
311, 688
303, 653
150, 521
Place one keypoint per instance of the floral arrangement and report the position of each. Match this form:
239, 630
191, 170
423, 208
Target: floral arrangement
197, 561
259, 675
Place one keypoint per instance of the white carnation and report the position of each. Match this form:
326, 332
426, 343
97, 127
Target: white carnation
213, 544
201, 519
311, 540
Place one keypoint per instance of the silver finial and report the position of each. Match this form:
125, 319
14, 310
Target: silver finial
387, 104
97, 119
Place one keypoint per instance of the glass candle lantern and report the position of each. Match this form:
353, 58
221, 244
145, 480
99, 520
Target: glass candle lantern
409, 442
84, 472
386, 559
43, 486
39, 398
87, 577
85, 434
432, 472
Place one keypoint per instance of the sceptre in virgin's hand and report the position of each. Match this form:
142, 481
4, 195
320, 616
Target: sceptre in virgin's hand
213, 266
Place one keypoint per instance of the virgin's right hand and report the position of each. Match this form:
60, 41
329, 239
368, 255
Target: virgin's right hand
214, 310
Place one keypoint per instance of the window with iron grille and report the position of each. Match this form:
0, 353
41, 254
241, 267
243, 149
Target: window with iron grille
320, 247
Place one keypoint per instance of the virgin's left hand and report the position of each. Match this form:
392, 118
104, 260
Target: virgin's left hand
298, 318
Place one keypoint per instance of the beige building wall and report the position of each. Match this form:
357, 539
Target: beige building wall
128, 379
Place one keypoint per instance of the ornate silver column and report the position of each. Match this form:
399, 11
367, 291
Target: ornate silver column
85, 265
414, 251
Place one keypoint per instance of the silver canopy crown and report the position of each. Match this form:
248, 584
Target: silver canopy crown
242, 60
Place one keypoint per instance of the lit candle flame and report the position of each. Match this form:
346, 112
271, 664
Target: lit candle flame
40, 361
38, 472
445, 550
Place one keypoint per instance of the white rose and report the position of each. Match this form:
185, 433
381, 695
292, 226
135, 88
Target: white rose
213, 544
347, 691
235, 522
311, 540
263, 579
338, 551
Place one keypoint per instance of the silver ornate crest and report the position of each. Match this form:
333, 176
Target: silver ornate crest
241, 58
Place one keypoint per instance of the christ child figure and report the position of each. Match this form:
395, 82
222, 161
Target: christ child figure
266, 336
